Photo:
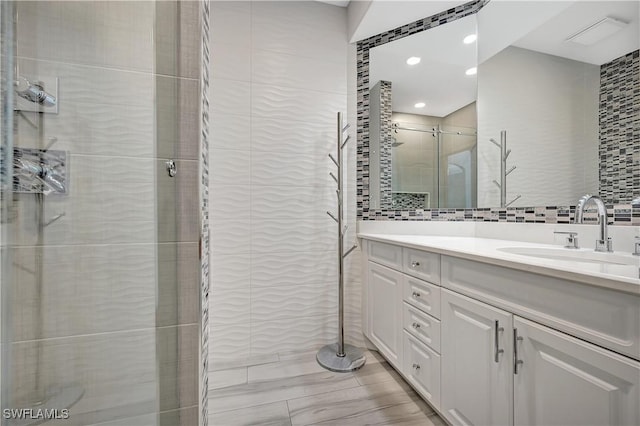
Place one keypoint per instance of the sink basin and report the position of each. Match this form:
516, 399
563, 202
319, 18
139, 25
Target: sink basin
571, 255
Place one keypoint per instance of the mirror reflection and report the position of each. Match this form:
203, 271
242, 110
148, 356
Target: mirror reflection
423, 134
548, 118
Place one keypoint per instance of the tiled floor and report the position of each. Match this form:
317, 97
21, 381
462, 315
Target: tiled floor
294, 390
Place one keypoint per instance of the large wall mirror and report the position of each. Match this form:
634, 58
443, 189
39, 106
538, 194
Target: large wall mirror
522, 104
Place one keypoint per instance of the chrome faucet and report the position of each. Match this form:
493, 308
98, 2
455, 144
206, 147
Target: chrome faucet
604, 242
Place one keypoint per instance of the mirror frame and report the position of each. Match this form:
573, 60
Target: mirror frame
622, 214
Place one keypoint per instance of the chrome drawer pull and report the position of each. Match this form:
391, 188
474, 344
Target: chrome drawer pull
415, 264
415, 325
416, 367
516, 361
498, 351
415, 294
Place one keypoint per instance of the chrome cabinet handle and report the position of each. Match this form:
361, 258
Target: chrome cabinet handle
416, 366
415, 325
415, 294
415, 264
516, 361
172, 169
497, 329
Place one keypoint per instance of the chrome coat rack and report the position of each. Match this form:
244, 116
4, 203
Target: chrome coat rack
339, 356
504, 154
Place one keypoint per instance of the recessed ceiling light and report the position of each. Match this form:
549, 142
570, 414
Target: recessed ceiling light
470, 39
413, 60
471, 71
420, 105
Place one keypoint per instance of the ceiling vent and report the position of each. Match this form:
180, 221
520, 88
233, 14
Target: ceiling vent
597, 31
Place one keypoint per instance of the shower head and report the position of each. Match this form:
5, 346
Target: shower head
34, 92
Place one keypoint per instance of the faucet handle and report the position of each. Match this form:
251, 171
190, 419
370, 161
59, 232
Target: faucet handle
572, 239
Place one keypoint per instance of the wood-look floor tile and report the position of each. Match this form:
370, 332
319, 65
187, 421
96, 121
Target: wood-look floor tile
267, 391
225, 378
243, 362
376, 372
373, 403
274, 414
285, 368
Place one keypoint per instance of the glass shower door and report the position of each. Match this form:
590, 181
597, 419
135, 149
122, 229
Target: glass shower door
100, 308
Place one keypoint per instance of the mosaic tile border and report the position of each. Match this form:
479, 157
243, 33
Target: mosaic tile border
204, 214
623, 214
619, 123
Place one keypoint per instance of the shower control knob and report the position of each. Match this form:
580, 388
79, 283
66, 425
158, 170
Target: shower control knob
171, 168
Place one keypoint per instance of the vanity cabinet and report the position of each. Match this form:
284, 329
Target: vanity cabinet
489, 345
477, 361
385, 311
565, 381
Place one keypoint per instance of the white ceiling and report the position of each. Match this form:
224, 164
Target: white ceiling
551, 36
445, 58
384, 15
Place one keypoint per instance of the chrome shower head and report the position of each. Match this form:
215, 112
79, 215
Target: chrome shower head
34, 92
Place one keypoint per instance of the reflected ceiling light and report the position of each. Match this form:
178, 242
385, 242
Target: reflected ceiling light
471, 71
598, 31
413, 60
420, 105
470, 39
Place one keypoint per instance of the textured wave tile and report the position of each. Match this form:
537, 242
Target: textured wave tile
228, 272
292, 335
230, 237
292, 137
227, 307
293, 202
230, 131
230, 97
281, 235
231, 23
283, 32
229, 201
85, 290
84, 84
229, 342
286, 70
271, 303
273, 168
231, 61
283, 103
229, 167
292, 268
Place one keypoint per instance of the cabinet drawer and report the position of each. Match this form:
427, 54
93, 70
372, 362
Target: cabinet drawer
421, 264
421, 367
422, 326
386, 254
422, 295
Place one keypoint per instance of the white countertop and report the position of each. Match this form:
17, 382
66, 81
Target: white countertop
618, 277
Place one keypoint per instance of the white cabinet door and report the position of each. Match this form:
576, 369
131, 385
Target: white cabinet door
385, 311
477, 362
566, 381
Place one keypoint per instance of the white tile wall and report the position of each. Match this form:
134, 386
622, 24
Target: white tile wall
280, 77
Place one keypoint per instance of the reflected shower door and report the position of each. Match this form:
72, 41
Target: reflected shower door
100, 312
458, 167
